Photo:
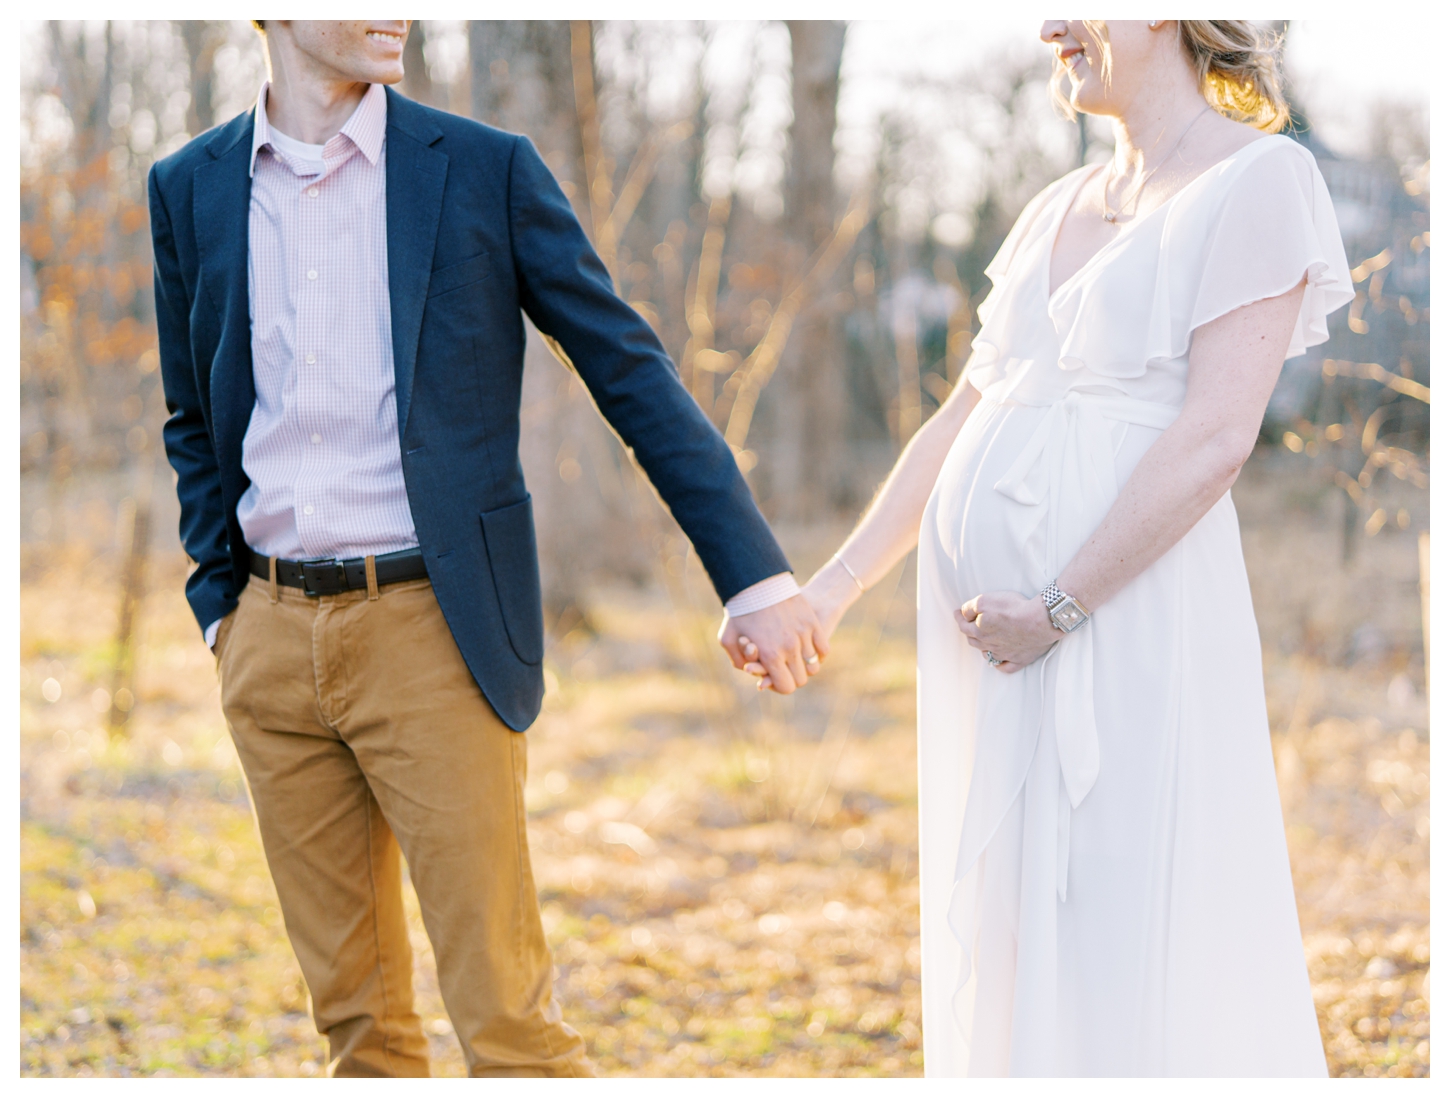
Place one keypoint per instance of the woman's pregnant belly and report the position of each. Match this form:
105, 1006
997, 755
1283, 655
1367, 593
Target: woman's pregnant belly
968, 528
977, 535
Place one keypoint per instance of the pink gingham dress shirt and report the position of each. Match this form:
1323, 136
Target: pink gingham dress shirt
321, 448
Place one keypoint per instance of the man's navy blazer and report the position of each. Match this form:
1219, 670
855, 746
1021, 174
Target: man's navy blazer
478, 233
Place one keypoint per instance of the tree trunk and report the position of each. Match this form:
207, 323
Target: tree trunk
417, 83
133, 590
201, 37
811, 452
86, 84
523, 80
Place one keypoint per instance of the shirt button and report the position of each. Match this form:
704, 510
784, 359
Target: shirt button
311, 359
316, 439
312, 276
307, 510
311, 192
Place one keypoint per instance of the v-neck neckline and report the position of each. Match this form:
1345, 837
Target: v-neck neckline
1062, 213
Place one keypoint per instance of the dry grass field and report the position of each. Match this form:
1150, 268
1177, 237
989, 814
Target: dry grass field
728, 880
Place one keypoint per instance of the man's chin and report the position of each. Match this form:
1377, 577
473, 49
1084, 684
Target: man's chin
379, 74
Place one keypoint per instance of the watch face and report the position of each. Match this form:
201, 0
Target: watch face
1068, 616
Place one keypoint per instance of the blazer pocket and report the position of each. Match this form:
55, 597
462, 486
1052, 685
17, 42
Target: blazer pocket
513, 560
457, 275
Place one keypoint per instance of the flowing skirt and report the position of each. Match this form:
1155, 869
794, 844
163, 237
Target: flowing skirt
1105, 885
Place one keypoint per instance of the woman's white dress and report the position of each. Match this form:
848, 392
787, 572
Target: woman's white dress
1105, 884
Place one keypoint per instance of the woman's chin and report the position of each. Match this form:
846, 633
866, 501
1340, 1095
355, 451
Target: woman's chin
1086, 104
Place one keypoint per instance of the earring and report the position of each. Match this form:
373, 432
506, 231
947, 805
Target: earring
1154, 24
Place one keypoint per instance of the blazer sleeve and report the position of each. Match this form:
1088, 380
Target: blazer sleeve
210, 587
568, 294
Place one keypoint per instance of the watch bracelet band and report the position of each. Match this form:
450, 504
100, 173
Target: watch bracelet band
1052, 595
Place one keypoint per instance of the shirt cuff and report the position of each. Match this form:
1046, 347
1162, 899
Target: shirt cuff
211, 633
758, 596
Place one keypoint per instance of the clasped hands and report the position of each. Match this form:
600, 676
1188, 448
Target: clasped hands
777, 644
784, 645
1014, 628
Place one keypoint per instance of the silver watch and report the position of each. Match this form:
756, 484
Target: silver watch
1065, 612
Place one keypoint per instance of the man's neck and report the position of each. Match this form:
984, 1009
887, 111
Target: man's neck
309, 105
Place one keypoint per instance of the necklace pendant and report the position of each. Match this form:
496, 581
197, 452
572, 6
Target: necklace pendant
1110, 217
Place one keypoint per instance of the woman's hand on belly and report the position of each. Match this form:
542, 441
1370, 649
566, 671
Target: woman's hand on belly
1014, 628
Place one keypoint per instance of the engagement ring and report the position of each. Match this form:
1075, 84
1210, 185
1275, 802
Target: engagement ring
993, 660
812, 660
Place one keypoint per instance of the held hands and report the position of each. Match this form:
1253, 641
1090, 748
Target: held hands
827, 596
784, 644
1014, 628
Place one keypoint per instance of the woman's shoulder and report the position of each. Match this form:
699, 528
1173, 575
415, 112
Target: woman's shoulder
1269, 172
1265, 224
1268, 160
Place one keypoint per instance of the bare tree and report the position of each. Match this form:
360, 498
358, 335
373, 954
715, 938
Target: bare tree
523, 80
417, 83
528, 77
86, 83
202, 38
810, 461
88, 363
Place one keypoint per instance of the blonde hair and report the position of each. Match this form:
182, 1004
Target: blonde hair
1237, 62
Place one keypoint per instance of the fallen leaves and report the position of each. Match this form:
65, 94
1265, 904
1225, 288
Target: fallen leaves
700, 925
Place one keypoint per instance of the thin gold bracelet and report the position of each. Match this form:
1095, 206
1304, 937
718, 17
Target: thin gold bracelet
855, 578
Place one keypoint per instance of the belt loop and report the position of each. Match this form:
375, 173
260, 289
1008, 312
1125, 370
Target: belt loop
370, 566
272, 579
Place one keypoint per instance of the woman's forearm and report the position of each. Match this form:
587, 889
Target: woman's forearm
888, 530
1233, 365
1178, 480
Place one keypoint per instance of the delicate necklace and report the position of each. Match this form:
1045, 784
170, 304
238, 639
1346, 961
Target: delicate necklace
1112, 217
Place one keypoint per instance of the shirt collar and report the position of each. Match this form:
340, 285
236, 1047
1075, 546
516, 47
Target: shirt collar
365, 128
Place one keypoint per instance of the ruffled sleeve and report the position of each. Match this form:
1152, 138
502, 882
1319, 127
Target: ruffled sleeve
1276, 226
1249, 228
1024, 228
1001, 312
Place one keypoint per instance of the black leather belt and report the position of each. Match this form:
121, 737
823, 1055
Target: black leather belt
332, 576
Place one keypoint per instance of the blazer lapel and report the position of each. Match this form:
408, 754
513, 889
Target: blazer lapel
415, 176
222, 195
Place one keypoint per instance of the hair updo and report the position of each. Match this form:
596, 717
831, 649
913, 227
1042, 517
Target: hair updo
1237, 63
1238, 67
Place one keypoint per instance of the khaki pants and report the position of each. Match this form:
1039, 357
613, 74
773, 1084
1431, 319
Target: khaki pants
360, 730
